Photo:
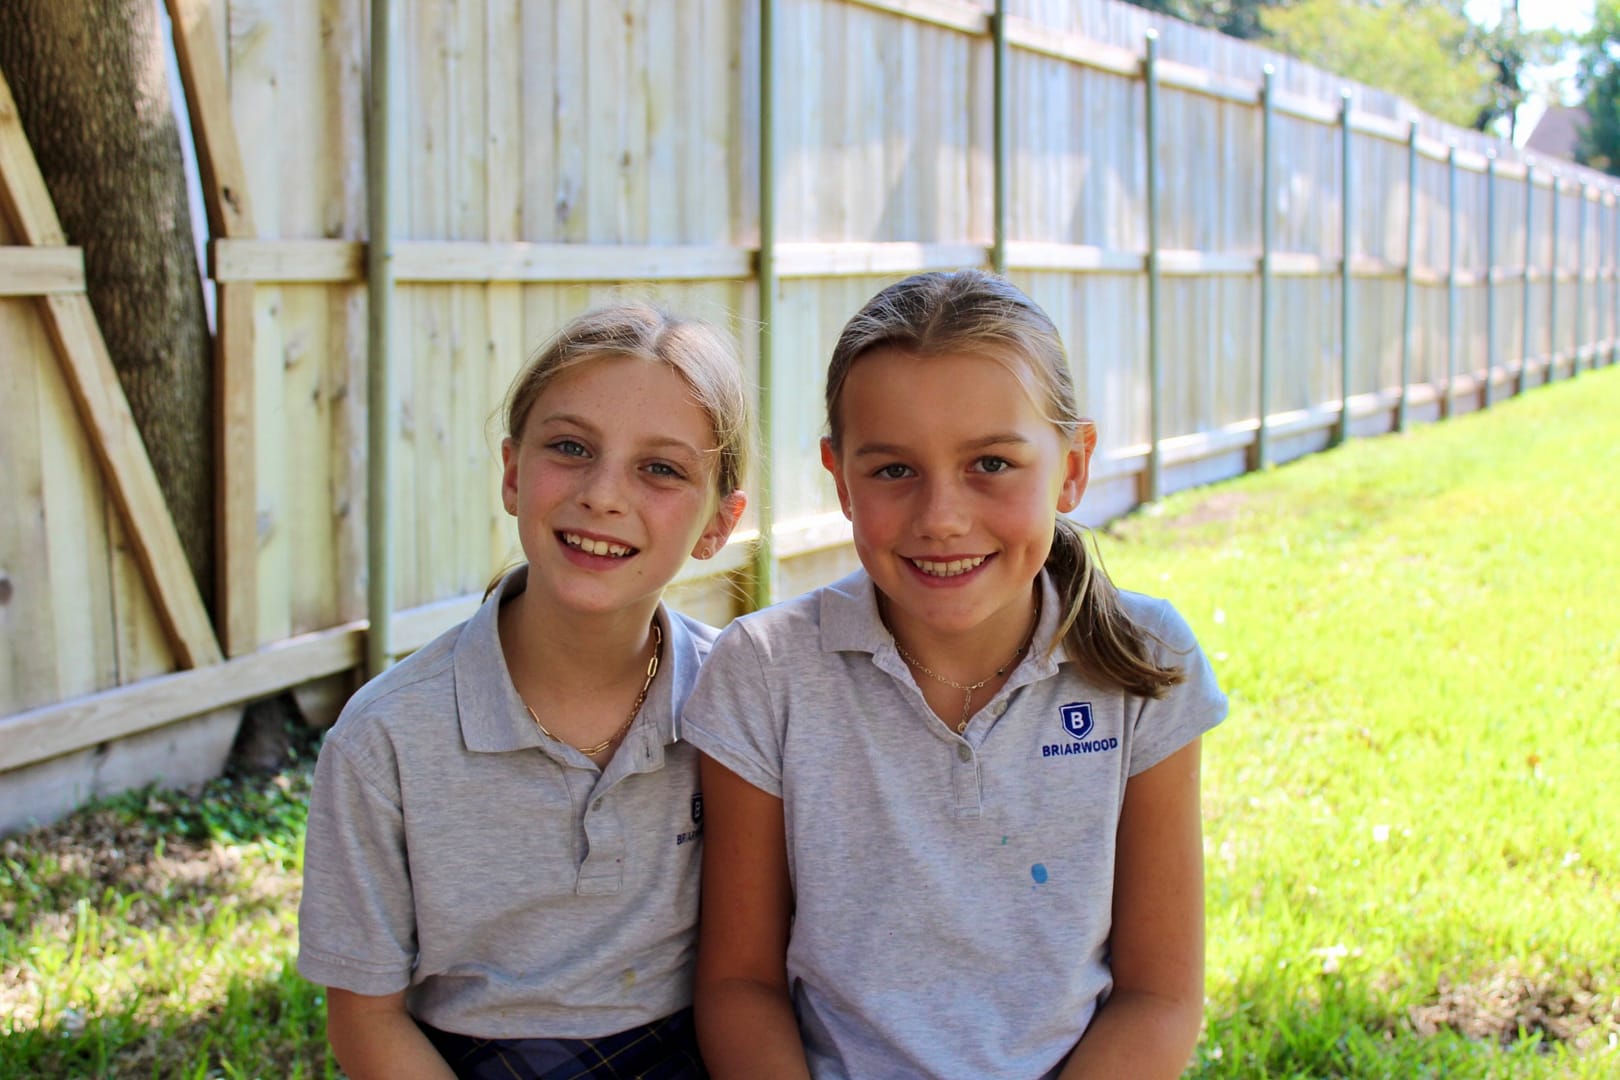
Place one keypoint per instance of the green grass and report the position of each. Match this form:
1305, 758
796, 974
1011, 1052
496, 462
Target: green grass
1411, 810
154, 934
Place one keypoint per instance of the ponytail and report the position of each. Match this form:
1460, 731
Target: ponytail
1110, 647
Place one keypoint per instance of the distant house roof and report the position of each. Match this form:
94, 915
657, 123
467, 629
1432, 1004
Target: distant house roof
1557, 132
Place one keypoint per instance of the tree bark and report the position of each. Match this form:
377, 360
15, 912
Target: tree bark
92, 92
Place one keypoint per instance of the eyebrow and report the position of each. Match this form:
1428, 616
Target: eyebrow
881, 449
661, 442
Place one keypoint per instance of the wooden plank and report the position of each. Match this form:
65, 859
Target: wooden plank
1303, 264
270, 261
229, 210
1207, 83
800, 260
29, 604
484, 262
100, 400
1304, 108
41, 271
1186, 263
1030, 255
1372, 266
52, 730
967, 17
1380, 127
1033, 37
471, 261
219, 158
236, 479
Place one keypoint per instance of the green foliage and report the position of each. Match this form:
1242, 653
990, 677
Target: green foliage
1429, 54
1599, 80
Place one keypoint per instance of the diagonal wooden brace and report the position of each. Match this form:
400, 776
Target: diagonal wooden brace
93, 383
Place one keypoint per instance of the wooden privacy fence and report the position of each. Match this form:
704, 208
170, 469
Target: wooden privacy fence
1246, 266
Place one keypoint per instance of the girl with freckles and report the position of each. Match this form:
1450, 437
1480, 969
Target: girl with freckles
953, 799
501, 871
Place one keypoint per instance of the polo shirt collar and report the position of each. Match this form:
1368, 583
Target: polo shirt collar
494, 719
850, 622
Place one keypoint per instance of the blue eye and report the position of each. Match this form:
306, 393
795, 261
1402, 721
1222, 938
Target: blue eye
570, 447
664, 469
893, 472
992, 464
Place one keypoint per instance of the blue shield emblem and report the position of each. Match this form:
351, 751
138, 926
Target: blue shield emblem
697, 809
1077, 718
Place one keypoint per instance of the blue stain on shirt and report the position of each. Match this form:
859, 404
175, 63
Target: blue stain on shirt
1038, 872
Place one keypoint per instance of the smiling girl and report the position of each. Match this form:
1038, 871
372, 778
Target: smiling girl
501, 868
953, 809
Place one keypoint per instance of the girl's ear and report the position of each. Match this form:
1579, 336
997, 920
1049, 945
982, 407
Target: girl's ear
725, 518
1077, 466
829, 461
509, 456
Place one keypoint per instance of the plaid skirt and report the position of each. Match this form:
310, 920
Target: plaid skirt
663, 1050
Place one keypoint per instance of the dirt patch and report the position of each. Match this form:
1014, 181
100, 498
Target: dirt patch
1499, 1005
1217, 506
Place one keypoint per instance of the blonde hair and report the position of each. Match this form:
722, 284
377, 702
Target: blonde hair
702, 356
970, 311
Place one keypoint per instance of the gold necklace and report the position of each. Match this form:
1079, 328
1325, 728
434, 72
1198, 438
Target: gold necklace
652, 669
969, 689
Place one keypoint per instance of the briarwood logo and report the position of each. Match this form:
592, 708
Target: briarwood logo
1078, 723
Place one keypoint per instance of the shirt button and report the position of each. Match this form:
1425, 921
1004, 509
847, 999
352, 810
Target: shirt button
999, 708
964, 754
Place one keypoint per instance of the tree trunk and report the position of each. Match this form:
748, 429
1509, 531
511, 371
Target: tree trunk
92, 92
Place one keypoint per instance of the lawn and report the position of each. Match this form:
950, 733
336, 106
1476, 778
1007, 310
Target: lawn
1411, 812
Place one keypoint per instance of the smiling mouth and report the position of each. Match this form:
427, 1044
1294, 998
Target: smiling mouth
953, 568
596, 547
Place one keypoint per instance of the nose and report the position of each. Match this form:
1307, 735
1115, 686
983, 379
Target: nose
942, 511
602, 488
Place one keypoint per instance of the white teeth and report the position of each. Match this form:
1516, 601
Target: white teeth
595, 547
948, 569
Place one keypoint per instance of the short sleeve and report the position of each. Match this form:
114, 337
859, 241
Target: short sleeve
357, 920
1190, 708
732, 715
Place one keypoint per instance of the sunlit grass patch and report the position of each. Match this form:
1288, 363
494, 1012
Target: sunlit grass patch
1412, 854
153, 935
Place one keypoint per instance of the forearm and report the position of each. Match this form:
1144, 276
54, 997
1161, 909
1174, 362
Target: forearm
747, 1030
1140, 1035
375, 1044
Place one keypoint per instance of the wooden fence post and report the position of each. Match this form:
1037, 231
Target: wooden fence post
1150, 76
1490, 277
1552, 291
1409, 277
379, 360
1262, 435
1580, 281
1529, 257
764, 568
998, 44
1341, 430
1446, 401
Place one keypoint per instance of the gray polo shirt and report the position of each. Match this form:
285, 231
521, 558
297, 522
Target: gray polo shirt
952, 893
503, 880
